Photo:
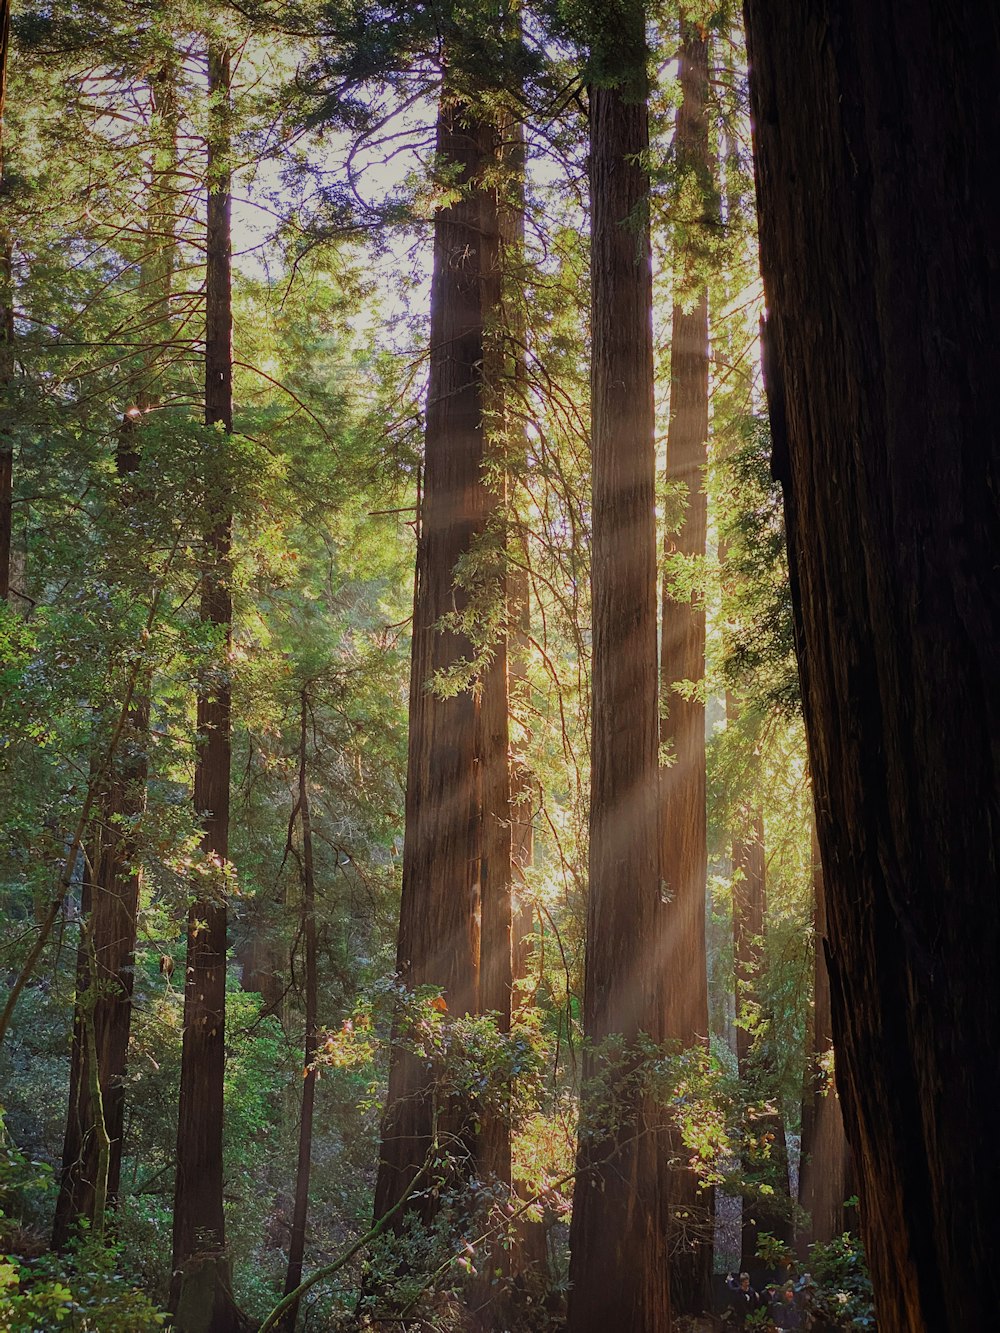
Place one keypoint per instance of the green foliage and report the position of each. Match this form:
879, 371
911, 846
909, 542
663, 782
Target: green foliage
760, 652
839, 1288
80, 1292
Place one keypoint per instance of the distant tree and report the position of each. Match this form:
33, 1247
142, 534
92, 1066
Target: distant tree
875, 129
826, 1172
684, 827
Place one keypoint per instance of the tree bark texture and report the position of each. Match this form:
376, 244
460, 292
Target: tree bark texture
455, 909
826, 1176
618, 1236
875, 144
201, 1293
684, 820
110, 906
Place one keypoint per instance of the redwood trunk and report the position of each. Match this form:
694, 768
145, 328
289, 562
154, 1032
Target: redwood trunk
826, 1175
684, 827
201, 1294
111, 901
618, 1237
110, 906
875, 137
452, 884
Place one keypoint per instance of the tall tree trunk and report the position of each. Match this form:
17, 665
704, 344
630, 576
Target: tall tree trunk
201, 1291
618, 1265
296, 1248
103, 1015
111, 898
455, 877
875, 140
6, 338
684, 828
826, 1173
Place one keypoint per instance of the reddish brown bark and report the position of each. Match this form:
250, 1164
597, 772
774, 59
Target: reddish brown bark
618, 1267
109, 908
826, 1174
201, 1292
875, 134
684, 828
456, 853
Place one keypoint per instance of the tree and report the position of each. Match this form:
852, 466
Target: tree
877, 191
111, 889
455, 913
6, 331
201, 1292
684, 830
618, 1266
296, 1247
826, 1173
760, 1212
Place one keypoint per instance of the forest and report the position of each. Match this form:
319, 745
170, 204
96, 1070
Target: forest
499, 662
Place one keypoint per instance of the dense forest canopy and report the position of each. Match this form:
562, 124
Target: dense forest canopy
499, 805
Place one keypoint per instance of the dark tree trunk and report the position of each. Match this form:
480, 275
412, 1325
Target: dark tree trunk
201, 1292
453, 882
875, 137
618, 1236
109, 909
684, 829
296, 1248
826, 1176
111, 901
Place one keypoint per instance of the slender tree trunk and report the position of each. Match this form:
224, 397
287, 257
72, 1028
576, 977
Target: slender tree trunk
684, 828
297, 1244
455, 877
6, 338
826, 1173
201, 1292
618, 1265
875, 144
108, 935
748, 932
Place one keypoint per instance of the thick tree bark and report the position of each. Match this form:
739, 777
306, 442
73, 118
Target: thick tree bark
826, 1175
456, 878
296, 1248
618, 1236
684, 827
201, 1292
110, 906
875, 139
